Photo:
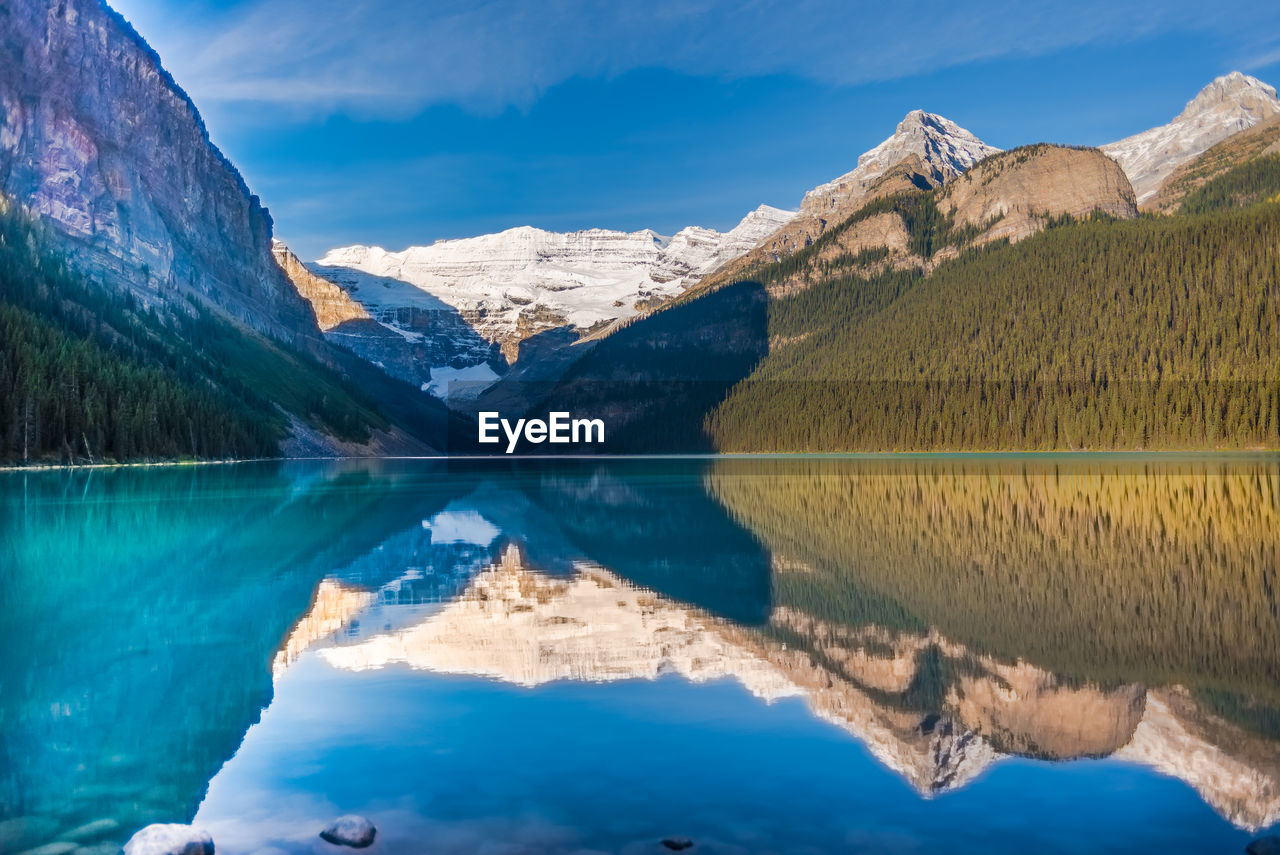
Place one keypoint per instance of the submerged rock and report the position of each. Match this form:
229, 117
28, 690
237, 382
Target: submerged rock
24, 832
354, 831
678, 843
1269, 845
99, 849
59, 848
90, 830
170, 839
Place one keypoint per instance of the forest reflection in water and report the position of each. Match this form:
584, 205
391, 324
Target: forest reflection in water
947, 613
1141, 594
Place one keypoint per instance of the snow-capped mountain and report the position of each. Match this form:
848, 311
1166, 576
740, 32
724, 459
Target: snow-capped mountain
519, 282
925, 150
944, 148
1228, 105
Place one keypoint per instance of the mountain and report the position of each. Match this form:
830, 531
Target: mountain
1017, 307
97, 138
1006, 196
1239, 153
515, 284
144, 312
1228, 105
943, 148
924, 151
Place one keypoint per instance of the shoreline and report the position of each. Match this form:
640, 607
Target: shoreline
1234, 453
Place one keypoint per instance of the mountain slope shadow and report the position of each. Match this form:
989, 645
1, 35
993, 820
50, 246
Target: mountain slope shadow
654, 381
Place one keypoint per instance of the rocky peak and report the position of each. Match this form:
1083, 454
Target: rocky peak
1233, 94
1230, 104
944, 150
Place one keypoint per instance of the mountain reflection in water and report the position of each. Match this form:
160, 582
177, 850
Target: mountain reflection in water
953, 616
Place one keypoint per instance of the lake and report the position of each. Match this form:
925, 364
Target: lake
901, 654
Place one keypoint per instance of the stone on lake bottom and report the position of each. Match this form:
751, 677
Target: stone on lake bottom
24, 832
170, 839
58, 848
90, 830
98, 849
354, 831
677, 843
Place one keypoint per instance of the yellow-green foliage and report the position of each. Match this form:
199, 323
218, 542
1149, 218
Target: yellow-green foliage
1106, 571
1157, 333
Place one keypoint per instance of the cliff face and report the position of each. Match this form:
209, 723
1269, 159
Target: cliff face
331, 305
424, 342
1013, 195
97, 138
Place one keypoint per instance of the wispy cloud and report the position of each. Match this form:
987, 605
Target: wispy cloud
395, 57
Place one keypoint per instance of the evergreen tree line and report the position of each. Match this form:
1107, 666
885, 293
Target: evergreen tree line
89, 374
1162, 332
1256, 180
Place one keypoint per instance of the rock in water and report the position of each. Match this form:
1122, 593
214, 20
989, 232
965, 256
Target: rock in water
24, 832
90, 830
60, 848
678, 844
1269, 845
354, 831
169, 839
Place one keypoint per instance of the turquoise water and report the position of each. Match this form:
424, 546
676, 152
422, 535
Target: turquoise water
799, 655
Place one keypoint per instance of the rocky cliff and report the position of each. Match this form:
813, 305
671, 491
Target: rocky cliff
427, 346
98, 139
406, 332
331, 305
1014, 194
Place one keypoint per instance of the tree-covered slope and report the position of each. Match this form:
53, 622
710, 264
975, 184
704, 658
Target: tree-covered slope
88, 373
1097, 333
1156, 333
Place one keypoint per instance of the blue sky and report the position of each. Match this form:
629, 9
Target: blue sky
401, 122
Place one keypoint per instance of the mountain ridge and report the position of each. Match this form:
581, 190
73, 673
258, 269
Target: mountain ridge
108, 170
515, 283
1227, 105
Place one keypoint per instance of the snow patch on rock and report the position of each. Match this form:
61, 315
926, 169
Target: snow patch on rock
1230, 104
518, 282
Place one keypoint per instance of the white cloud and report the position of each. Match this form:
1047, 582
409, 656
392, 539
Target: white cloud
395, 57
